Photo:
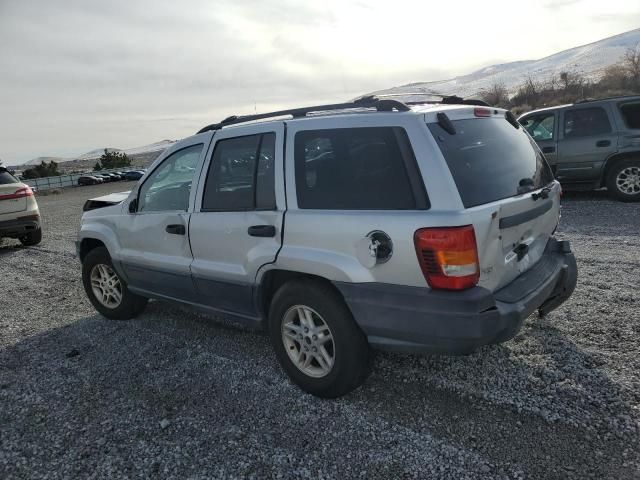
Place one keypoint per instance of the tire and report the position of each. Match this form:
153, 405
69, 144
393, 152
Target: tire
623, 180
32, 238
347, 347
98, 262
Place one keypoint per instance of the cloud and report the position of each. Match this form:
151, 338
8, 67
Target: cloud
84, 74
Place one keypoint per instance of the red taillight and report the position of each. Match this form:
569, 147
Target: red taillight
482, 112
21, 192
448, 257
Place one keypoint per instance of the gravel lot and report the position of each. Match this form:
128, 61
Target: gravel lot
176, 394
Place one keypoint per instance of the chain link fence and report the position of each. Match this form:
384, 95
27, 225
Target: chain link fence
63, 181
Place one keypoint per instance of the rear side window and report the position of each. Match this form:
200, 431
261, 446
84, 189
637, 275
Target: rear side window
586, 122
631, 114
7, 178
540, 127
490, 160
369, 168
241, 174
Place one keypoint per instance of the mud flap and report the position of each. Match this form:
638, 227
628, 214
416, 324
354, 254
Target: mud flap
566, 283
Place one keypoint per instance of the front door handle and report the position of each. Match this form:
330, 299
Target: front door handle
603, 143
548, 149
176, 229
262, 231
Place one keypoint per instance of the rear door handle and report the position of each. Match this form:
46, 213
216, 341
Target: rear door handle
176, 229
603, 143
262, 231
548, 149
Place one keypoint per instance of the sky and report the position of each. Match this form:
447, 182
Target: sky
82, 74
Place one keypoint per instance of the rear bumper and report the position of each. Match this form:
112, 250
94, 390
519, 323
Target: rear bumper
20, 226
420, 320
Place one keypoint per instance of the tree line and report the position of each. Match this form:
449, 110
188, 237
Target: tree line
622, 78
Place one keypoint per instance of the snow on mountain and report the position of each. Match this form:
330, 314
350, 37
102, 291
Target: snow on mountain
97, 153
589, 60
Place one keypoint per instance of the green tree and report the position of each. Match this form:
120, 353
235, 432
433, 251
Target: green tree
43, 170
110, 160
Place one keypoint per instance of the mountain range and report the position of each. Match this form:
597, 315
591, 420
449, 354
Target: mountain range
95, 154
589, 60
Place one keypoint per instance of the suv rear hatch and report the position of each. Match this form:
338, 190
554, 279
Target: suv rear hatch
506, 187
12, 195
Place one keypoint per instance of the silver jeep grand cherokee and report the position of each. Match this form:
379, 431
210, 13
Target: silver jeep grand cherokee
424, 229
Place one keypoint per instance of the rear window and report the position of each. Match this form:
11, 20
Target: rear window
631, 114
371, 168
491, 160
6, 178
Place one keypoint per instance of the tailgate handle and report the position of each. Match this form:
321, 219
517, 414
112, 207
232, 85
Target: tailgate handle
524, 217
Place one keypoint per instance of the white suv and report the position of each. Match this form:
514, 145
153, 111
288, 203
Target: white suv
19, 214
422, 228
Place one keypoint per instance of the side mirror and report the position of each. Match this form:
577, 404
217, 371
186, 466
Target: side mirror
133, 205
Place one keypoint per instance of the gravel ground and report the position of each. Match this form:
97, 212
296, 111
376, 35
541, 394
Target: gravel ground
176, 394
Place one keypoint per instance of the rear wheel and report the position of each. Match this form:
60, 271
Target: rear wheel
316, 339
106, 290
623, 180
31, 238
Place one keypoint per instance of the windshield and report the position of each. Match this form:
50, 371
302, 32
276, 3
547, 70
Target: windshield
491, 160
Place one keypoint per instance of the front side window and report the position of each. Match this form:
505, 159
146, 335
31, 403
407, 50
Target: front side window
241, 174
168, 187
586, 122
540, 127
356, 169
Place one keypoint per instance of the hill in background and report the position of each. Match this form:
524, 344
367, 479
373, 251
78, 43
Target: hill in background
588, 61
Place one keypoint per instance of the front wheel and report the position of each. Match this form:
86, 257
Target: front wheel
106, 290
623, 180
316, 340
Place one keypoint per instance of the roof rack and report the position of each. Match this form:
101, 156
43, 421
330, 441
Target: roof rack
366, 102
616, 97
381, 105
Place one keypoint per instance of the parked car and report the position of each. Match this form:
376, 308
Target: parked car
19, 214
114, 177
423, 228
90, 180
133, 175
105, 178
592, 144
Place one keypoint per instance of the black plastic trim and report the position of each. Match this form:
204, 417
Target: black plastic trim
520, 218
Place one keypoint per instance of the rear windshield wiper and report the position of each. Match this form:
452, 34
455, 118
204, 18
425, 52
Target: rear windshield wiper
527, 185
544, 193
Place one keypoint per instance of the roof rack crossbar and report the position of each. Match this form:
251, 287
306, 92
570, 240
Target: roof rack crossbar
444, 99
382, 105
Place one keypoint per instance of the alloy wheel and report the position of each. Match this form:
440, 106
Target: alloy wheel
308, 341
628, 180
106, 285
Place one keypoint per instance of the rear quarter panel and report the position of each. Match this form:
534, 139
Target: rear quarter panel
328, 242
